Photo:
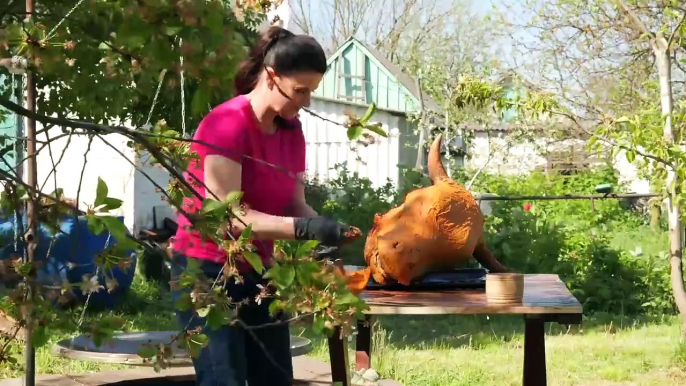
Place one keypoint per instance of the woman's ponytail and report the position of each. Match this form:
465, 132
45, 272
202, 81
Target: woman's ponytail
250, 69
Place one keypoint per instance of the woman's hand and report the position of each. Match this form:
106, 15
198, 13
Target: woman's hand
326, 230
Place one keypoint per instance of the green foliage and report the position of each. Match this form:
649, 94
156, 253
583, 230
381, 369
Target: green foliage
352, 200
571, 213
309, 287
124, 46
571, 238
103, 63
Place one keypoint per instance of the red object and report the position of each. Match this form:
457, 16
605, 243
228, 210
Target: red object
527, 206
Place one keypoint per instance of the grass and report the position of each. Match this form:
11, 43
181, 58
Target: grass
458, 350
649, 242
608, 350
478, 350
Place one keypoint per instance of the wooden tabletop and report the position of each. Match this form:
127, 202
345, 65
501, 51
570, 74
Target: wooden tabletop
543, 294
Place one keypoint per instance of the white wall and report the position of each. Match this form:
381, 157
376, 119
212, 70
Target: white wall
328, 144
123, 180
511, 159
505, 158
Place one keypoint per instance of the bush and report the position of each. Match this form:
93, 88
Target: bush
352, 200
564, 237
571, 238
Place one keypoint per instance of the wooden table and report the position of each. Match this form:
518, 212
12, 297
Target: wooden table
546, 299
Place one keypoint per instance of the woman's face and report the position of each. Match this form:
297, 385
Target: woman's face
298, 87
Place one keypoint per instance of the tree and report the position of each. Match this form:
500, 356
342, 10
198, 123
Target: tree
638, 48
98, 63
391, 26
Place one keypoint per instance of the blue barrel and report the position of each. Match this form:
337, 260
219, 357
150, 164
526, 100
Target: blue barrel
73, 246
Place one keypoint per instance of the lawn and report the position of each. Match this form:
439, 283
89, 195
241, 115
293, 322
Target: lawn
467, 350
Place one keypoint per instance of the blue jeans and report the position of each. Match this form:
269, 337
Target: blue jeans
235, 355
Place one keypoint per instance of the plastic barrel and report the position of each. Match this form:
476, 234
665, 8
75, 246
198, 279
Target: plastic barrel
73, 246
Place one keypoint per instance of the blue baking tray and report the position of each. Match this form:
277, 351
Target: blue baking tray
462, 278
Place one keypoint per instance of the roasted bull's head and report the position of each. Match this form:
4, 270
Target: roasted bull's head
436, 228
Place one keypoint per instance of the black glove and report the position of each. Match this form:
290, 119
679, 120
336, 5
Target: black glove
327, 231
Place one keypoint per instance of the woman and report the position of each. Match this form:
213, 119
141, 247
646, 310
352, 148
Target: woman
261, 123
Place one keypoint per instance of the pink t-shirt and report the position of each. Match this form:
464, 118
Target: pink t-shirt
231, 130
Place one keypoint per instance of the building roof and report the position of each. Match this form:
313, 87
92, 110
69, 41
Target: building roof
400, 76
407, 81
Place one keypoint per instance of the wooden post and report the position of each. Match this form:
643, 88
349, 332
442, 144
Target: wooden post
419, 165
32, 182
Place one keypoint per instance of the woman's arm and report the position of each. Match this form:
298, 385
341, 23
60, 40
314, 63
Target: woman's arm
299, 206
222, 176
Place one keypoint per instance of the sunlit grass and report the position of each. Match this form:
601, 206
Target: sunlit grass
456, 350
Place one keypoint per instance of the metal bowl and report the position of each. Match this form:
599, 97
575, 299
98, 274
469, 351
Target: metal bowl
123, 348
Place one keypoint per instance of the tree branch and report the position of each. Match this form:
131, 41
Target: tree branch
612, 143
676, 30
637, 21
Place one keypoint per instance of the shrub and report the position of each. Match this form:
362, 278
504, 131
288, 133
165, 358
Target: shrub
571, 238
564, 237
353, 200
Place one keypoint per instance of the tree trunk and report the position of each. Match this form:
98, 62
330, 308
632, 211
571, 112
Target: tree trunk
664, 65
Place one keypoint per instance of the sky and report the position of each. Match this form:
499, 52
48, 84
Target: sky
482, 7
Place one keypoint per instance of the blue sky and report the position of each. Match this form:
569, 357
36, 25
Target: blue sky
481, 6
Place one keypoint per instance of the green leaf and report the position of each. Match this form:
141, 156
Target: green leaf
282, 275
195, 343
100, 192
376, 128
318, 324
630, 156
254, 260
201, 99
368, 114
147, 351
246, 234
215, 318
95, 225
592, 141
346, 298
185, 303
214, 22
40, 336
213, 207
203, 312
233, 197
275, 306
192, 266
119, 231
113, 203
306, 248
305, 271
354, 132
172, 30
288, 275
24, 269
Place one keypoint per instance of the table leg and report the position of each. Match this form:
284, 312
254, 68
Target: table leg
534, 352
338, 354
363, 344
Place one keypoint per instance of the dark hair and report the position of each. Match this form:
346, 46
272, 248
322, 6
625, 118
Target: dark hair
284, 51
